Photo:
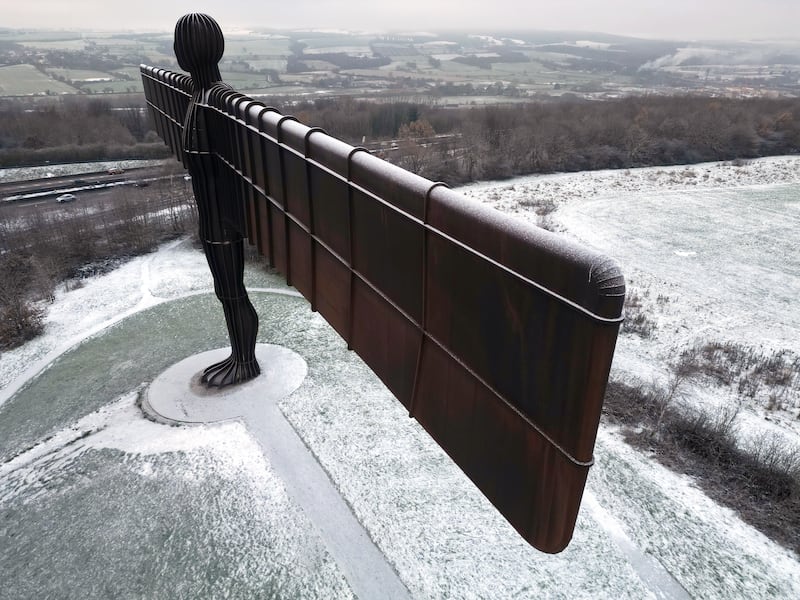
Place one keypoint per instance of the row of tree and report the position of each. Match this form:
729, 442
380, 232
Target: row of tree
472, 143
73, 130
569, 135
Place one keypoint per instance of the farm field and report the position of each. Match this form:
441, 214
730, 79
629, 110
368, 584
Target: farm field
533, 62
257, 47
119, 87
25, 80
79, 75
65, 43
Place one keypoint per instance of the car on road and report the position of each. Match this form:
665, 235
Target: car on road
66, 198
116, 171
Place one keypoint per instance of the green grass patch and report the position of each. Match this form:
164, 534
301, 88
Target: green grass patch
113, 87
451, 67
25, 80
78, 75
63, 41
331, 42
244, 81
257, 47
120, 42
346, 49
76, 43
279, 64
36, 36
119, 359
132, 72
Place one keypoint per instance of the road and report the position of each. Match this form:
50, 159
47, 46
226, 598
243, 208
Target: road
39, 191
98, 205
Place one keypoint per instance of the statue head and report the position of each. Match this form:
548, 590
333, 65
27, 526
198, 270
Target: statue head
199, 46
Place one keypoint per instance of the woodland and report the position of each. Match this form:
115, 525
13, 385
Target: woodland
455, 145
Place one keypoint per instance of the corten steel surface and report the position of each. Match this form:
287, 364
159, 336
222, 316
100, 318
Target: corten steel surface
199, 45
496, 335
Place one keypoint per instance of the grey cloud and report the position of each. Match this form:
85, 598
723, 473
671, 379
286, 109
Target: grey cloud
680, 19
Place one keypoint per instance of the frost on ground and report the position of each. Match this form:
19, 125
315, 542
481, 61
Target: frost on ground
439, 533
706, 547
78, 312
518, 194
709, 251
118, 506
177, 270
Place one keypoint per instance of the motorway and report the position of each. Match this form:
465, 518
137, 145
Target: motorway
41, 191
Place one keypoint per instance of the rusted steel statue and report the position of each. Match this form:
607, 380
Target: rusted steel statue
199, 46
497, 336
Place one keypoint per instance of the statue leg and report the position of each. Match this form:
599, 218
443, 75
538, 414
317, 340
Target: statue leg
226, 261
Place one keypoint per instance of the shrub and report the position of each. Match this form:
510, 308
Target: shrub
24, 282
45, 245
760, 481
711, 436
749, 370
19, 322
636, 320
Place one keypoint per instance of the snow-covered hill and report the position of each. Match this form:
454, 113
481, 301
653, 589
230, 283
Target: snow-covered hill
200, 495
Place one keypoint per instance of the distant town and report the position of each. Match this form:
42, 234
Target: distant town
451, 69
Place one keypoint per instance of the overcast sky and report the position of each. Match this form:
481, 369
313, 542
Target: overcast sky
677, 19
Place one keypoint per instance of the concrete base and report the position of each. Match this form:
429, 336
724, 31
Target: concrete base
177, 396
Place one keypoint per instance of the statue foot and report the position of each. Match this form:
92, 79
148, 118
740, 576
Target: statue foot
229, 372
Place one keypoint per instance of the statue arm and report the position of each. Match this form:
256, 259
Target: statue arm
168, 96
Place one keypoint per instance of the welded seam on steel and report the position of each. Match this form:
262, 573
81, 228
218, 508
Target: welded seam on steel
431, 337
312, 236
355, 274
555, 295
350, 246
424, 323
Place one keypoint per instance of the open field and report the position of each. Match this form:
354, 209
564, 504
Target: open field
710, 249
257, 47
133, 72
533, 61
317, 40
259, 64
99, 87
244, 81
79, 75
10, 35
66, 43
357, 50
24, 80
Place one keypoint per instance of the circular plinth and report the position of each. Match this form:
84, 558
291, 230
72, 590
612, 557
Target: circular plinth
177, 396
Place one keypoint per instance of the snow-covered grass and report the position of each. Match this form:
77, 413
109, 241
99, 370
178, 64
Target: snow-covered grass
564, 188
640, 522
176, 270
709, 250
118, 506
